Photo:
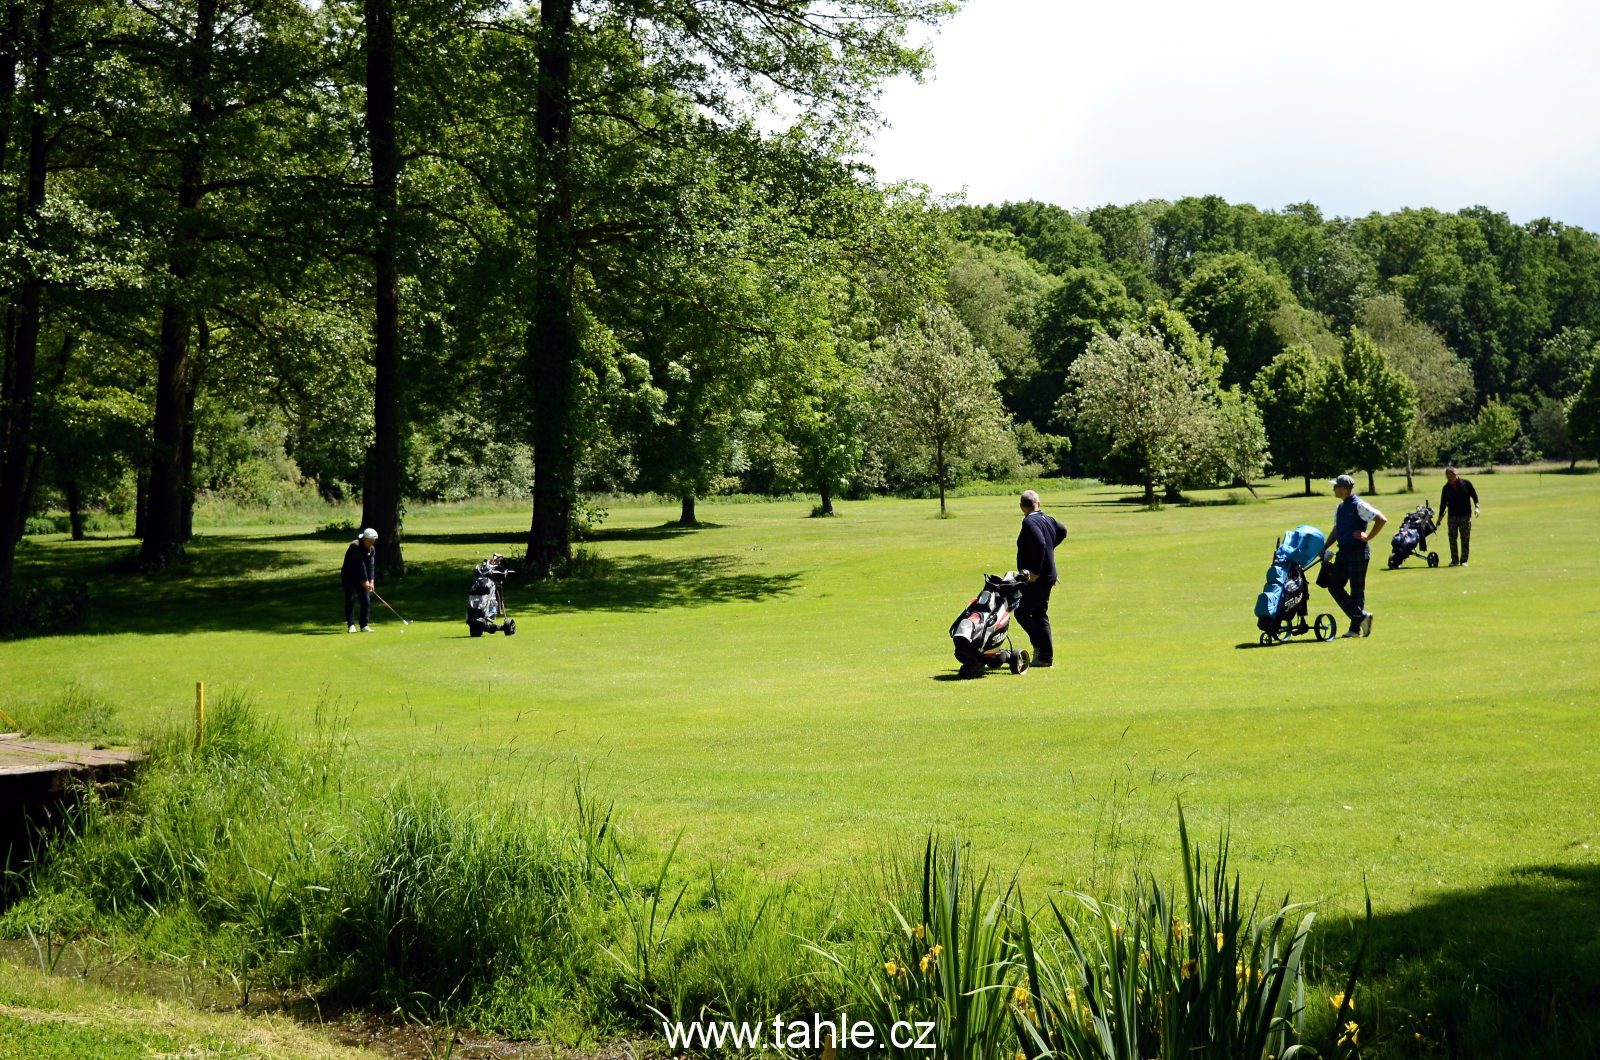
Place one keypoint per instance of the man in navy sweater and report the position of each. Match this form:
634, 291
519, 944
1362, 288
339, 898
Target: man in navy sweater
1036, 554
357, 578
1351, 532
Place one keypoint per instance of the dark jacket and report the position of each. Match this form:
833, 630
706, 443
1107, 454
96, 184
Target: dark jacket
1457, 500
1036, 545
360, 565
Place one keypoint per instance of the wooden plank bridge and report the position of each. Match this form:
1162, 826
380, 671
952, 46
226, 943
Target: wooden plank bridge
40, 778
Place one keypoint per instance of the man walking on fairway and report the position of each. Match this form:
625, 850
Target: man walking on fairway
359, 573
1036, 554
1458, 502
1351, 532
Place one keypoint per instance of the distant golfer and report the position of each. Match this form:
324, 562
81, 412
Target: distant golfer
360, 571
1458, 500
1036, 554
1352, 532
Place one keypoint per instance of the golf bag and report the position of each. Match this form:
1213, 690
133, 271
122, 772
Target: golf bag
1281, 606
982, 632
1412, 537
486, 600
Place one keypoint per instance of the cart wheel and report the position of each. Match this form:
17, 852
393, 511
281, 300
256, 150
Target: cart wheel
1266, 638
1285, 631
1018, 663
1433, 559
475, 630
511, 627
1327, 627
1394, 561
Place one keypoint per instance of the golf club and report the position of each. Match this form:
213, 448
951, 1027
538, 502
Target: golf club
404, 621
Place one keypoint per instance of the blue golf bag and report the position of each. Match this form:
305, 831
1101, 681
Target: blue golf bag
1281, 605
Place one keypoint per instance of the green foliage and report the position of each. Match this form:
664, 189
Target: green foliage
1086, 301
935, 400
1490, 434
1146, 400
1294, 394
1231, 299
1443, 381
1583, 416
1372, 406
945, 960
1203, 972
1238, 439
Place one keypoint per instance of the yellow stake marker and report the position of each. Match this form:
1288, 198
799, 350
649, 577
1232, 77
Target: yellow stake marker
199, 713
9, 720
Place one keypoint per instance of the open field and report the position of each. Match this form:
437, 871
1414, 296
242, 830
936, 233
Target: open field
777, 687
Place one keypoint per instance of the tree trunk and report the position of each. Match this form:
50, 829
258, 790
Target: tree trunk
30, 488
1410, 486
186, 464
1372, 488
938, 468
163, 529
552, 340
141, 503
74, 508
686, 511
164, 518
18, 442
380, 495
1308, 485
826, 493
1150, 492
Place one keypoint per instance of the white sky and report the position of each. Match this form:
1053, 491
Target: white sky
1356, 105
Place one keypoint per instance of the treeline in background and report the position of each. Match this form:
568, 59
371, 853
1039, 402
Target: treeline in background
273, 252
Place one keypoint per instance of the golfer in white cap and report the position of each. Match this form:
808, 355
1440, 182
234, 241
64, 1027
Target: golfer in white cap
359, 573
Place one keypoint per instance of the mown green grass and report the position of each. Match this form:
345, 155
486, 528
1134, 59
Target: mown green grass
774, 687
58, 1018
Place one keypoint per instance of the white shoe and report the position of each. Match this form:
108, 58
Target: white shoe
352, 629
366, 629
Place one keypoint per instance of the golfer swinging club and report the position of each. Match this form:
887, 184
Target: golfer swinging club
1036, 554
1352, 533
359, 573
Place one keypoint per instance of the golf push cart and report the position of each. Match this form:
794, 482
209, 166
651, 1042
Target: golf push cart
982, 632
1281, 605
486, 600
1412, 538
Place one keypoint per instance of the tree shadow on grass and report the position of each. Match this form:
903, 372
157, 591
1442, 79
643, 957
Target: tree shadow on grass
662, 532
1508, 970
237, 584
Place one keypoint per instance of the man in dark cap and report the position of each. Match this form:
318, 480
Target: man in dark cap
1351, 531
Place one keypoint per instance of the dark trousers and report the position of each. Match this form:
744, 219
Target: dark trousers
1460, 525
357, 596
1350, 568
1033, 615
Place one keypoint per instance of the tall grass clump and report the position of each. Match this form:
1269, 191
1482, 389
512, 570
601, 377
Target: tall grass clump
262, 859
934, 978
72, 713
1196, 972
221, 849
438, 907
